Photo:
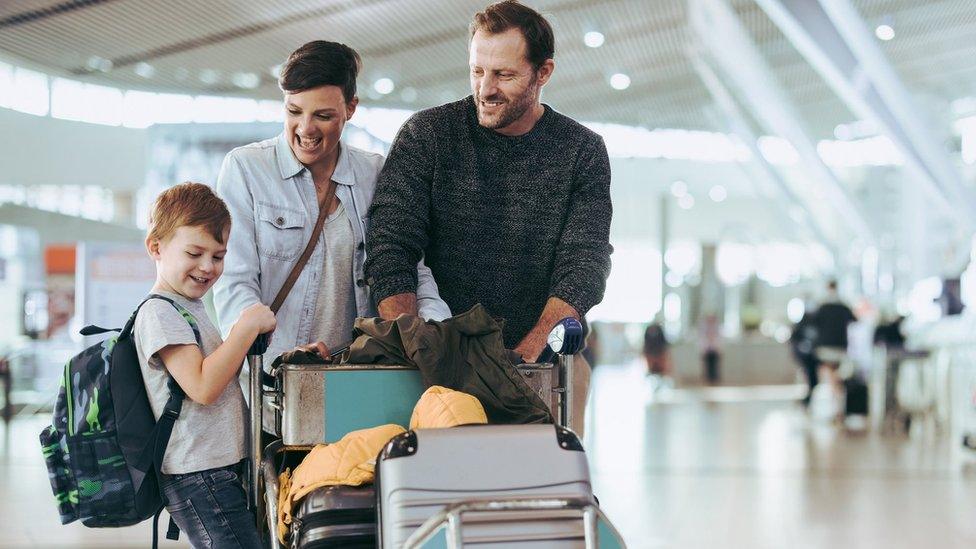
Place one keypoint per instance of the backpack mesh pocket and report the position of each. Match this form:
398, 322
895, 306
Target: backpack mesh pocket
104, 484
62, 482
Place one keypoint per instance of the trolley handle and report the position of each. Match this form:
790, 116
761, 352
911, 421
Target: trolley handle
255, 361
260, 345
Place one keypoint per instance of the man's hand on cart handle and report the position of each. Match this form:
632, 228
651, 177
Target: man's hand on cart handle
396, 305
535, 341
531, 347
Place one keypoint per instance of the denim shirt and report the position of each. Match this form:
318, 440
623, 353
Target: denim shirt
273, 206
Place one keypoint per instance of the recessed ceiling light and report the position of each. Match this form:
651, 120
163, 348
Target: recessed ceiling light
97, 63
679, 188
144, 70
209, 76
383, 86
718, 193
620, 81
593, 39
246, 80
276, 70
884, 32
687, 202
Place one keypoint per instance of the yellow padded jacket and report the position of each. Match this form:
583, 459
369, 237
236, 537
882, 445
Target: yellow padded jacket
350, 461
443, 407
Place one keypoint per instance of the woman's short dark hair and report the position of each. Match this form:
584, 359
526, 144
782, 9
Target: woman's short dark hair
501, 16
321, 63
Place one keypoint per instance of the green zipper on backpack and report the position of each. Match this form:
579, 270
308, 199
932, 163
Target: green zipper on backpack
67, 392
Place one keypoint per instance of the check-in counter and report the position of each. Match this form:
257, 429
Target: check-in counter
750, 361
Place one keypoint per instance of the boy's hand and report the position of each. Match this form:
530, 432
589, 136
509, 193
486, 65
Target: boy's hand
259, 317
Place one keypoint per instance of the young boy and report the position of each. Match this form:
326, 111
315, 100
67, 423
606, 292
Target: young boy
188, 230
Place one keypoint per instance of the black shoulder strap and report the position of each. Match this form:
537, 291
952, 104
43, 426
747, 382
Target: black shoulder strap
164, 426
171, 412
174, 404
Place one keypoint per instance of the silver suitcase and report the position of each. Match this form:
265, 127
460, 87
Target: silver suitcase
423, 472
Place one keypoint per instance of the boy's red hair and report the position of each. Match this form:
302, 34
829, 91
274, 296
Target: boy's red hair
188, 205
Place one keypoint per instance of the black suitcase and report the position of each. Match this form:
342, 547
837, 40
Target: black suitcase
856, 402
336, 516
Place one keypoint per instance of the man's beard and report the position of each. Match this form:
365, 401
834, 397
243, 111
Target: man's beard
510, 111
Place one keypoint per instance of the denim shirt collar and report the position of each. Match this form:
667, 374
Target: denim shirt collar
289, 166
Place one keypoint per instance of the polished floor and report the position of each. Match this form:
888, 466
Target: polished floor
687, 468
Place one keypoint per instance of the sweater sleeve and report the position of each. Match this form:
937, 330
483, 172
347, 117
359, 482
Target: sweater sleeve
582, 260
400, 212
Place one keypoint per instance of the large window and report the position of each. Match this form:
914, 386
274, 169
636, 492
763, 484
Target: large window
87, 201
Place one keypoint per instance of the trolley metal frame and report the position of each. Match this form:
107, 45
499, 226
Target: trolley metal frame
262, 486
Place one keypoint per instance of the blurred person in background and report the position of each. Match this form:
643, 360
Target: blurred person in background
803, 341
889, 331
832, 319
710, 342
657, 354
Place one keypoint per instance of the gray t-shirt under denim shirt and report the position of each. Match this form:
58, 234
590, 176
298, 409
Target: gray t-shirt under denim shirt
335, 307
204, 437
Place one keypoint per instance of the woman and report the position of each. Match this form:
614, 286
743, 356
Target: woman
273, 189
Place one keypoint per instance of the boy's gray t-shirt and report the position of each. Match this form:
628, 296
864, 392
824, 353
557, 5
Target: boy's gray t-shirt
204, 437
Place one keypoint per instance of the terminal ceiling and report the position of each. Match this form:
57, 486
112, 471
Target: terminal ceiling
198, 47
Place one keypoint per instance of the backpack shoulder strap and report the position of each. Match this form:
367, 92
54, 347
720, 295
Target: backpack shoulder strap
176, 394
171, 412
187, 315
174, 405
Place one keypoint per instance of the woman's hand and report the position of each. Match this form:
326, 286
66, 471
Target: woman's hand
318, 347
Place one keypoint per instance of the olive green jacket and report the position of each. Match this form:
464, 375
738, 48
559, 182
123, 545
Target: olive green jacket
465, 353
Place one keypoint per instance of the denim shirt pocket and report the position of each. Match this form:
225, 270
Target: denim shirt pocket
280, 231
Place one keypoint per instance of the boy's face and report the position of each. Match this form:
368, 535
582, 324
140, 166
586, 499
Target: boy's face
188, 262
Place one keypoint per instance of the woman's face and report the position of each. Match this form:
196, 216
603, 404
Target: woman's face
314, 120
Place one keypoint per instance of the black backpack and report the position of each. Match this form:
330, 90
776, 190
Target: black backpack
105, 448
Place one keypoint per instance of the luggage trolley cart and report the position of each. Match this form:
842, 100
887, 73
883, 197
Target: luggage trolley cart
358, 396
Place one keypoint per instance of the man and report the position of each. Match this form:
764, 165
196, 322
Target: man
803, 342
506, 200
832, 320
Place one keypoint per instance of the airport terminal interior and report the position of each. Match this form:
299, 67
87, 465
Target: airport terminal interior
784, 354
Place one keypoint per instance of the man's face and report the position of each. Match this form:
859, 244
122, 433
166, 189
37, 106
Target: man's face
188, 262
504, 83
314, 120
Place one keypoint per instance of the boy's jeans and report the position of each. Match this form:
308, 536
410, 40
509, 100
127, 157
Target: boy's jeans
210, 507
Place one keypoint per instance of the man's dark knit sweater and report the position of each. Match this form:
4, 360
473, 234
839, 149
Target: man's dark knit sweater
502, 221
